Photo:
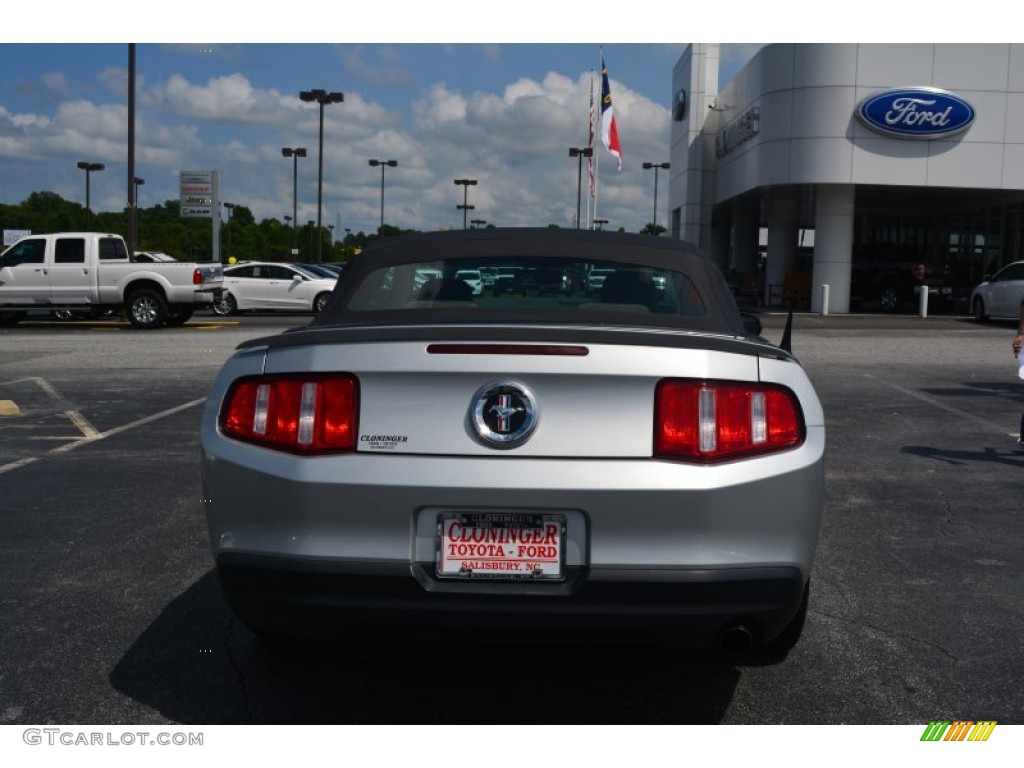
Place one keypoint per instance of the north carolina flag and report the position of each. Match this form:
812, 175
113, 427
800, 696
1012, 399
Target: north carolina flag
609, 132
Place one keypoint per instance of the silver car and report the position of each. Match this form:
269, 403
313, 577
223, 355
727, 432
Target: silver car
639, 459
1000, 295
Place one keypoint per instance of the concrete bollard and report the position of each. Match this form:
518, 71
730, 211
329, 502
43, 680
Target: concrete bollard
824, 299
923, 301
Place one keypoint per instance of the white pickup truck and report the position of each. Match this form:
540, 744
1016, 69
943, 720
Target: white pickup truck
92, 271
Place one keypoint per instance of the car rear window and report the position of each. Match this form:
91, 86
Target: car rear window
525, 285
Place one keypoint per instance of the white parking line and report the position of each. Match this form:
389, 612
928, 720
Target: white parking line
96, 436
73, 414
931, 401
126, 427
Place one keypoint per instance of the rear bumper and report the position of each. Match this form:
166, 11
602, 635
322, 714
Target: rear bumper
691, 606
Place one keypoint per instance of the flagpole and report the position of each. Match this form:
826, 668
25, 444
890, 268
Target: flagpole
590, 160
597, 155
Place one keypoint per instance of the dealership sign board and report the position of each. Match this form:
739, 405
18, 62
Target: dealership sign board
199, 194
916, 113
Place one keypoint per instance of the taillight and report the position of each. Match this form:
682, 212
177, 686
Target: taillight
197, 276
314, 413
707, 421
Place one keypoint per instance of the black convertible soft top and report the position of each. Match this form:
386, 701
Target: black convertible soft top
536, 246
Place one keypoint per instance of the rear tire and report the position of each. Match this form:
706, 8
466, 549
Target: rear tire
889, 299
320, 302
978, 308
11, 318
226, 306
179, 315
147, 309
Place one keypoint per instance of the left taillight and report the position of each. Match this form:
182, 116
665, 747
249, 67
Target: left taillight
709, 421
304, 414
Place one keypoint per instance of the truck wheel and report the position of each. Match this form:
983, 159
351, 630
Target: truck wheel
147, 309
12, 318
179, 315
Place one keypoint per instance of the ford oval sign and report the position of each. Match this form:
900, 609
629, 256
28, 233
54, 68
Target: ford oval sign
916, 113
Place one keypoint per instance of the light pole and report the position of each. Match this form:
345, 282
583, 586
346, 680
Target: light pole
655, 166
137, 182
321, 97
599, 223
477, 223
465, 184
230, 207
579, 152
89, 168
383, 164
295, 153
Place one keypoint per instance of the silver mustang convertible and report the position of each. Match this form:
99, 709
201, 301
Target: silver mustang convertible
426, 452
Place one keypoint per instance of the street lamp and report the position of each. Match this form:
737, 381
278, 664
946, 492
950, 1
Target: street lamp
477, 223
321, 97
465, 184
135, 202
383, 164
89, 168
230, 207
655, 166
579, 152
295, 153
599, 223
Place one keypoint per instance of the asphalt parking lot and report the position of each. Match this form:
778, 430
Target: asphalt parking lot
110, 612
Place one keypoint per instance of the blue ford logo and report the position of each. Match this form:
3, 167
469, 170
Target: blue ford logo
916, 113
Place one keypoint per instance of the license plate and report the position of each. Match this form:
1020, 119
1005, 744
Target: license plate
501, 546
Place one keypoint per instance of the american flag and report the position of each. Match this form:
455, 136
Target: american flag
609, 131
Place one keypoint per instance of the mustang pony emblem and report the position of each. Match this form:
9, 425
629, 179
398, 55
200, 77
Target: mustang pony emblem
503, 414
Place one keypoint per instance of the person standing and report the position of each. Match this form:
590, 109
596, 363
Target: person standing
1018, 342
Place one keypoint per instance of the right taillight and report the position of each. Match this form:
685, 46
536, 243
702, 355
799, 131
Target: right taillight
297, 413
709, 421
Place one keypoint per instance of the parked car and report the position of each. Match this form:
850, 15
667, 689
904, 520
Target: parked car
271, 285
472, 278
488, 274
1001, 294
556, 462
596, 278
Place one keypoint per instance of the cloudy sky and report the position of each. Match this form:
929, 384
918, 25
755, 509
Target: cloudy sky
442, 102
504, 113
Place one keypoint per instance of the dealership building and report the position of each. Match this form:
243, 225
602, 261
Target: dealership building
842, 163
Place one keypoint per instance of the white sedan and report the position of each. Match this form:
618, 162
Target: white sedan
1001, 294
472, 278
271, 285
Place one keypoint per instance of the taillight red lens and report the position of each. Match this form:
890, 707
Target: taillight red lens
197, 276
294, 412
709, 421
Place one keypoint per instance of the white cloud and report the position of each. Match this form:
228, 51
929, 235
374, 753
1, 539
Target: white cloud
56, 82
514, 141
